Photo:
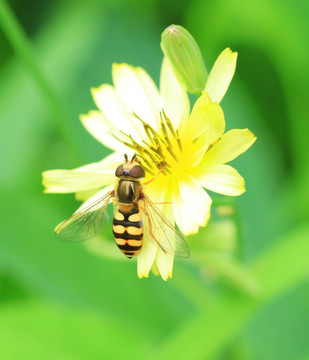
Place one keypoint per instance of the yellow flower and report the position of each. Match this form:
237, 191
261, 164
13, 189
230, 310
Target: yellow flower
156, 124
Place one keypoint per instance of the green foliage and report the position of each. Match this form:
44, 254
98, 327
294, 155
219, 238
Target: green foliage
243, 293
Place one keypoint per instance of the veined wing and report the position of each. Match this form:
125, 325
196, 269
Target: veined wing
86, 223
163, 233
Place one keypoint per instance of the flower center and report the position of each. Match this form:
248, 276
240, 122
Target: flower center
161, 150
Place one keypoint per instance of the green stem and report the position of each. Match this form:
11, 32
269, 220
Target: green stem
23, 49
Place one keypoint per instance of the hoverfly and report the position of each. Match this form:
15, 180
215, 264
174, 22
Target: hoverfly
132, 207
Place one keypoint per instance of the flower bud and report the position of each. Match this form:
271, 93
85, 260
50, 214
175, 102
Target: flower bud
185, 58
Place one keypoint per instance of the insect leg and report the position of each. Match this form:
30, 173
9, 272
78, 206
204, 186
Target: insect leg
163, 203
151, 180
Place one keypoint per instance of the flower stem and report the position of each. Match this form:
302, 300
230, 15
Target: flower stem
24, 50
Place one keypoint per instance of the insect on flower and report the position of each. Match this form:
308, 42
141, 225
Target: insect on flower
189, 148
132, 205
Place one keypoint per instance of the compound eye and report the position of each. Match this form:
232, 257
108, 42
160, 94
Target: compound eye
137, 172
119, 171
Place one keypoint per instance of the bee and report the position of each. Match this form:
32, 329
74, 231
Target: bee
132, 207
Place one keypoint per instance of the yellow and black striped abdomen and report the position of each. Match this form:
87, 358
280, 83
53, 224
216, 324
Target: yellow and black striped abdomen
128, 231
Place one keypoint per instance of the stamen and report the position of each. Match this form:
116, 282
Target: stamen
168, 141
169, 149
158, 149
178, 141
162, 124
136, 147
163, 128
152, 154
211, 145
167, 171
148, 129
148, 132
169, 123
146, 168
118, 139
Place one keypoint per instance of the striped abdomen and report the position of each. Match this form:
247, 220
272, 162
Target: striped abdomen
128, 231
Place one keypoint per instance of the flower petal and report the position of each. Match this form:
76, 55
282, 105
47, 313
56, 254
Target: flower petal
106, 165
148, 253
165, 264
205, 116
101, 129
191, 205
138, 92
115, 111
67, 181
90, 176
164, 261
155, 269
194, 151
109, 164
151, 256
232, 144
221, 75
222, 179
174, 99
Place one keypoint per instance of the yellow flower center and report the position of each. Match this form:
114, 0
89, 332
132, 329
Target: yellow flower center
162, 150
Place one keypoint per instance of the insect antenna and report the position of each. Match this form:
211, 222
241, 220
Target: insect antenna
126, 157
133, 157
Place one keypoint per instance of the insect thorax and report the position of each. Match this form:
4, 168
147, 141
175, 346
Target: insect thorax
127, 191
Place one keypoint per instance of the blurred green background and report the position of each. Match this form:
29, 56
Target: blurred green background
62, 301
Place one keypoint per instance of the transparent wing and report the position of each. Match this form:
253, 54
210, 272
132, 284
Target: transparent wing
86, 223
163, 233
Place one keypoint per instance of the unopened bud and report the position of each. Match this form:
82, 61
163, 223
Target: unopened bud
185, 58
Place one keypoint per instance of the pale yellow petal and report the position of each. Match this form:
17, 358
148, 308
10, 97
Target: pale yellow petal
109, 164
164, 261
156, 190
115, 111
138, 92
151, 256
101, 129
155, 269
216, 123
67, 181
91, 176
194, 151
146, 258
165, 264
191, 205
197, 123
174, 98
221, 75
148, 253
222, 179
206, 116
232, 144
